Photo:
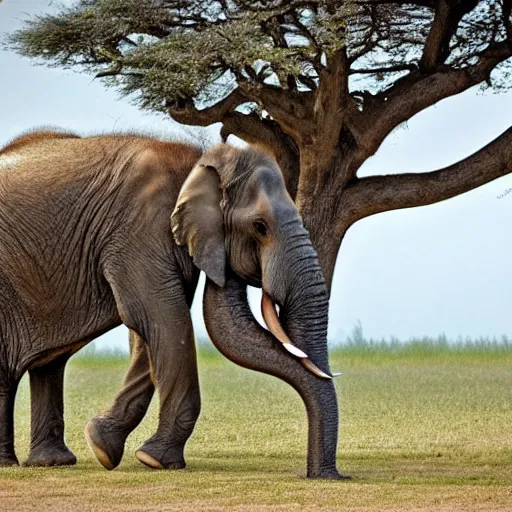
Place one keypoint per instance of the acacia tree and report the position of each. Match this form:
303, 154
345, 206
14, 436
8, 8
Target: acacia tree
320, 83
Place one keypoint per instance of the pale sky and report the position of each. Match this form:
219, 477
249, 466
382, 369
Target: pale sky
437, 269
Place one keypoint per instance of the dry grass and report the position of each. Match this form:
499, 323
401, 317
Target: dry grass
420, 432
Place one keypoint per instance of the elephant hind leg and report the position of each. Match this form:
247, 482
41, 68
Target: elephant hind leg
7, 395
47, 446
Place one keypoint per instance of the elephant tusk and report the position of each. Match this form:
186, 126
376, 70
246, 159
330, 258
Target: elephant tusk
270, 316
313, 368
336, 374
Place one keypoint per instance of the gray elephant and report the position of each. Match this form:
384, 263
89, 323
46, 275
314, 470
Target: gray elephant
99, 231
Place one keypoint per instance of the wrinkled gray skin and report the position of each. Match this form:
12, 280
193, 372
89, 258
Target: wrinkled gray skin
86, 243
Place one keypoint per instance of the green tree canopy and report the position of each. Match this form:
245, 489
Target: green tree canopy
166, 52
320, 83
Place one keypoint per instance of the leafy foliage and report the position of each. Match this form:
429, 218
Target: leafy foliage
163, 52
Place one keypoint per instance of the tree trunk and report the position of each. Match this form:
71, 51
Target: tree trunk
322, 203
317, 215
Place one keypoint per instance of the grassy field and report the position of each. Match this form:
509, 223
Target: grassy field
424, 427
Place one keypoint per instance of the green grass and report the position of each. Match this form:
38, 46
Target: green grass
425, 426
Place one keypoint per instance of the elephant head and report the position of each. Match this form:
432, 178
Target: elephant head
241, 227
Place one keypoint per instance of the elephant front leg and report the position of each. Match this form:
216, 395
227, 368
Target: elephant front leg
174, 365
107, 433
47, 446
156, 306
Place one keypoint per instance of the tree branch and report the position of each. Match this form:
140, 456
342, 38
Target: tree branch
330, 104
114, 70
376, 194
507, 20
437, 36
447, 17
415, 92
187, 113
388, 69
288, 108
248, 127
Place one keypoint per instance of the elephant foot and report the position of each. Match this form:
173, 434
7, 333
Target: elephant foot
8, 460
51, 455
106, 439
156, 455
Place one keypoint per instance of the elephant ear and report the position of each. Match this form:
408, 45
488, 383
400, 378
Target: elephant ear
197, 222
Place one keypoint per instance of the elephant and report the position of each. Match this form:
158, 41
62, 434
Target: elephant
105, 230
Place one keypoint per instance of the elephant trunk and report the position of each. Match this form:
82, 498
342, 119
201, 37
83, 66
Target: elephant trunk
235, 332
305, 305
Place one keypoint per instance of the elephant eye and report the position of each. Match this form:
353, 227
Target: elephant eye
260, 228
